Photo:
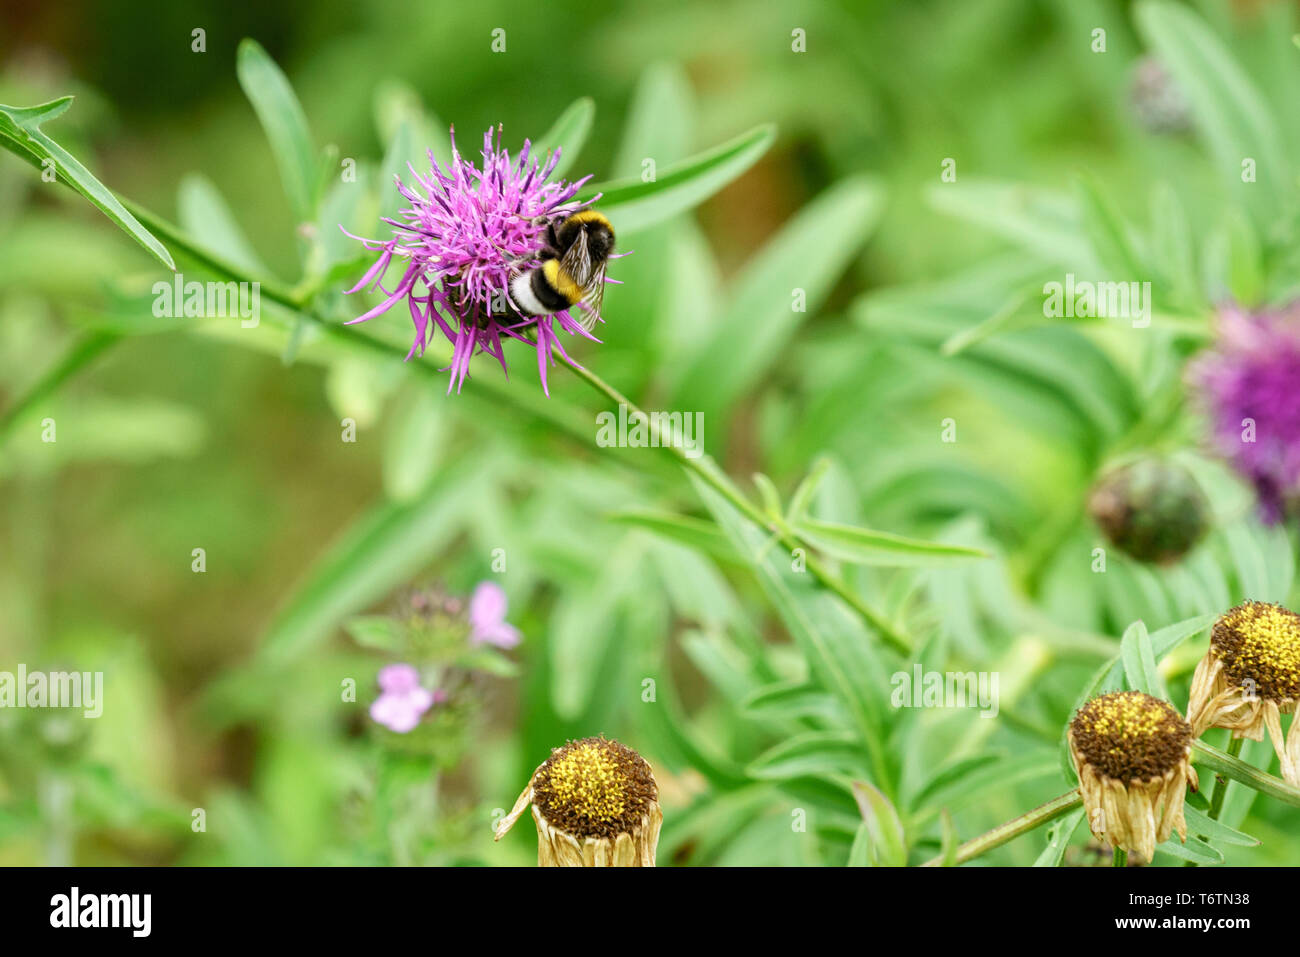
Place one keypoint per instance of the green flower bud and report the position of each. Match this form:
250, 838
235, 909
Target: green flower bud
1151, 510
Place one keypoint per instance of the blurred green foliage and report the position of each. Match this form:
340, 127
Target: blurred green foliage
652, 610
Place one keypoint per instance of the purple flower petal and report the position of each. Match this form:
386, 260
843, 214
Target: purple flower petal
398, 679
487, 606
1250, 386
500, 634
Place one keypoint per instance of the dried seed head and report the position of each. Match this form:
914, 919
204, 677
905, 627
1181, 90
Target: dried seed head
594, 788
1130, 736
1259, 645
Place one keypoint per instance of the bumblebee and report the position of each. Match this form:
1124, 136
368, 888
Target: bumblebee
572, 270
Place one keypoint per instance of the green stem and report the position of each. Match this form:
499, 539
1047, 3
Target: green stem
747, 508
271, 289
1220, 782
1220, 791
1119, 858
1238, 770
1014, 828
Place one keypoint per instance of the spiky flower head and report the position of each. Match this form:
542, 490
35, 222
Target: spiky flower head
1131, 752
595, 803
1250, 677
1150, 509
466, 231
1250, 382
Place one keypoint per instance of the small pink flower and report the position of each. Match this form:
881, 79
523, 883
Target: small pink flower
403, 702
487, 617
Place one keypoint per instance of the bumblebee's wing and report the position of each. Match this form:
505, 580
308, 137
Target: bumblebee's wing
576, 261
593, 295
589, 276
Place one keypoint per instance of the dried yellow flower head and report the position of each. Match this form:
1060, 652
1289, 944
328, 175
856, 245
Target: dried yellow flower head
594, 788
1131, 752
1250, 677
1260, 643
1131, 736
595, 803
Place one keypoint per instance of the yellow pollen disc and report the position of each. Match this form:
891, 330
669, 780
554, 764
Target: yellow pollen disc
589, 781
1259, 643
1128, 735
594, 788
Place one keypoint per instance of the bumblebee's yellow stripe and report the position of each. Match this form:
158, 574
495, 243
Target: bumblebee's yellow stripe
590, 216
561, 281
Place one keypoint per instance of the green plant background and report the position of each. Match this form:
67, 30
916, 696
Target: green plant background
771, 694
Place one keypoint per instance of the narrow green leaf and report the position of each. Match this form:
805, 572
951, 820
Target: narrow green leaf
398, 104
1233, 261
400, 151
802, 499
1250, 562
285, 125
413, 442
792, 699
784, 284
632, 204
21, 134
860, 852
1010, 316
659, 120
865, 546
1170, 637
204, 214
1194, 850
567, 134
693, 532
948, 842
1232, 115
1140, 661
493, 662
834, 641
887, 836
1045, 223
375, 631
1172, 246
817, 754
982, 778
1109, 235
1058, 839
583, 626
84, 350
1201, 823
767, 492
693, 586
941, 784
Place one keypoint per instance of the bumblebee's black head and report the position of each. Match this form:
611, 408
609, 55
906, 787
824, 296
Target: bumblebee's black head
600, 234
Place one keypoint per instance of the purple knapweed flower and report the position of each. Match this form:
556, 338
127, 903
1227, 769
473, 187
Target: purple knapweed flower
1251, 383
403, 702
487, 617
466, 232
